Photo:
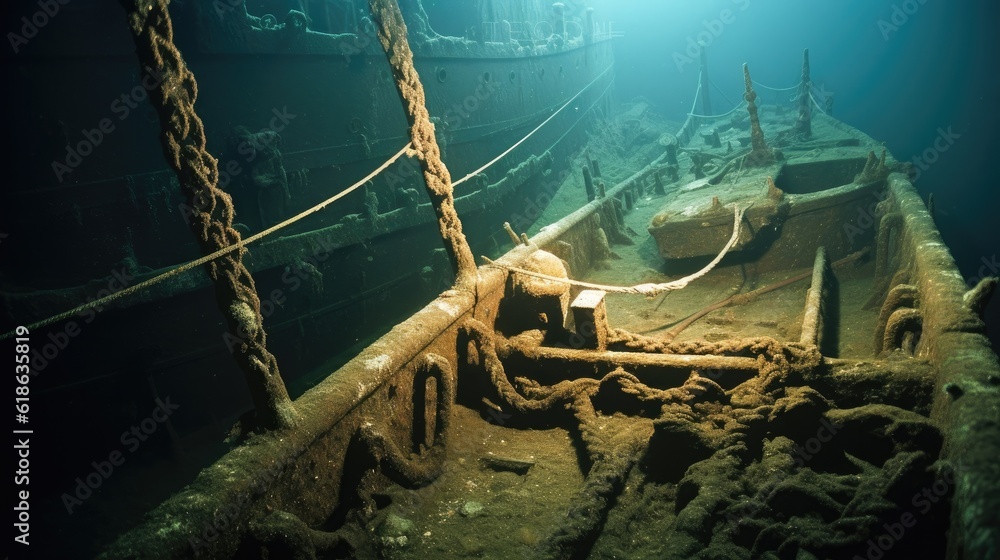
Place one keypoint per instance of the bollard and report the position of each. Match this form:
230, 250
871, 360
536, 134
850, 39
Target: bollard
591, 318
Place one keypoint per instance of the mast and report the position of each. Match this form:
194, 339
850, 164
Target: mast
706, 102
804, 124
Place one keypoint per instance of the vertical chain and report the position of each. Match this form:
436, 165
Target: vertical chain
183, 142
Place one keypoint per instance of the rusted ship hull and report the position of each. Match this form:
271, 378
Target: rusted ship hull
323, 113
433, 439
91, 210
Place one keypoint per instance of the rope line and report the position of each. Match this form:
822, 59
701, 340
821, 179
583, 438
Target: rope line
816, 103
813, 88
647, 290
221, 252
697, 95
796, 86
184, 144
536, 129
437, 179
722, 93
330, 200
581, 117
727, 113
258, 236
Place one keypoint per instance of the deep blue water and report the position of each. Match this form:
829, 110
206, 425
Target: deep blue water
907, 72
904, 72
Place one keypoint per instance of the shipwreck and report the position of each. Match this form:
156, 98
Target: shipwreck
707, 356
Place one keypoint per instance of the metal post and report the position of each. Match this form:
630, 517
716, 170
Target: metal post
588, 29
588, 183
804, 124
706, 102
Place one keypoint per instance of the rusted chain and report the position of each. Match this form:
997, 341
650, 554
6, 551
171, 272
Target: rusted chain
392, 35
184, 145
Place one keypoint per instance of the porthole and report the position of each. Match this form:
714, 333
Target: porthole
513, 76
442, 74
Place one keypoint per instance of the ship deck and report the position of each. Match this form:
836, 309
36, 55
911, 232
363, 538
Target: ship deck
512, 480
802, 419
